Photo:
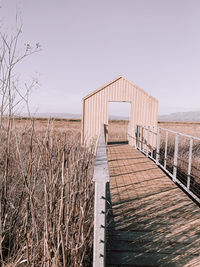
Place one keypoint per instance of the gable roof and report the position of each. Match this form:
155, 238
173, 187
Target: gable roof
113, 81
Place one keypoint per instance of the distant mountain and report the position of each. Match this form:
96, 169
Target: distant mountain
181, 116
113, 117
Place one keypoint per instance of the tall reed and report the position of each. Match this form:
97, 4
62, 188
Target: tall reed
46, 192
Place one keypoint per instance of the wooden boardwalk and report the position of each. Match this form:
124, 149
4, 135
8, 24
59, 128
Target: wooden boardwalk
151, 222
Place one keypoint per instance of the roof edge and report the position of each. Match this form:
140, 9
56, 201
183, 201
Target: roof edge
113, 81
140, 89
102, 87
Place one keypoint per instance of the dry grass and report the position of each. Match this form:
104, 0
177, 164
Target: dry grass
117, 130
46, 191
191, 128
57, 124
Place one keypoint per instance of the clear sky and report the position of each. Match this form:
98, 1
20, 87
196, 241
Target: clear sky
86, 43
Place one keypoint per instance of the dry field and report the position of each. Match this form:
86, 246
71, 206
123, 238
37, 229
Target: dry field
56, 124
117, 130
46, 192
190, 128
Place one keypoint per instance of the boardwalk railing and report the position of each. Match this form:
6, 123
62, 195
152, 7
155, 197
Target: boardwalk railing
176, 153
101, 178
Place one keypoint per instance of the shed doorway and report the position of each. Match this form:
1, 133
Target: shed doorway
118, 122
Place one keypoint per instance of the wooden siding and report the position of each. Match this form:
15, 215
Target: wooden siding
144, 108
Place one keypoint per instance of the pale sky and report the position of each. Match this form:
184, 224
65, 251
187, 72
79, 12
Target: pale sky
87, 43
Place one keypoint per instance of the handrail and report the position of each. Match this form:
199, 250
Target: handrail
170, 131
171, 162
101, 178
182, 134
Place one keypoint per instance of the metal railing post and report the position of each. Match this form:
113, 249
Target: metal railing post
136, 136
175, 158
172, 169
142, 135
143, 138
147, 153
189, 164
166, 144
158, 147
140, 138
152, 141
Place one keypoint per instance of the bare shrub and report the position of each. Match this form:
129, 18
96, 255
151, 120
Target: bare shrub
46, 190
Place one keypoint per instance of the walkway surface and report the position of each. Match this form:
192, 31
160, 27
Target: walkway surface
151, 221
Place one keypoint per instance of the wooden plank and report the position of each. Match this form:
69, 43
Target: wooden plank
163, 247
152, 259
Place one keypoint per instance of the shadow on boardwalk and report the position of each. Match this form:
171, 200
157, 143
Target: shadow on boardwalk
151, 222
